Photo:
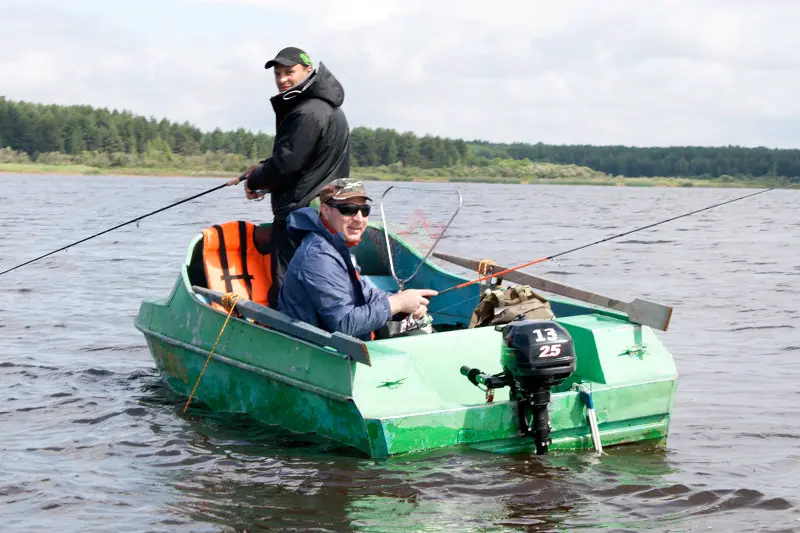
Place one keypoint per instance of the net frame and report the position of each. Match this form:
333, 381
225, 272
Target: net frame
406, 235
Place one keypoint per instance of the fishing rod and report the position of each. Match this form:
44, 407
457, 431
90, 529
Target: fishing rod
543, 259
137, 219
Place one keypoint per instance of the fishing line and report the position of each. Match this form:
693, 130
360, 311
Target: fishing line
459, 302
543, 259
137, 219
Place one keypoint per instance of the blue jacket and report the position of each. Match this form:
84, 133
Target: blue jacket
321, 285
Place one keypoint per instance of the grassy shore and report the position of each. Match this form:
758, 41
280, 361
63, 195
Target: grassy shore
379, 174
608, 181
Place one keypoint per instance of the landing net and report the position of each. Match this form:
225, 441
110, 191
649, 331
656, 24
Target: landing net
416, 218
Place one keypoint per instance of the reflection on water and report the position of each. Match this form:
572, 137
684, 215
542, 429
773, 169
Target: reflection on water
94, 441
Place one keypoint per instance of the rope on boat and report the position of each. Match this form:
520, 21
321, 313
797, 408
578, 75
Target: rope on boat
484, 265
586, 397
229, 300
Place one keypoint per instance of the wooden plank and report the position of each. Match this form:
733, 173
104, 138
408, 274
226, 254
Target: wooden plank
639, 311
354, 348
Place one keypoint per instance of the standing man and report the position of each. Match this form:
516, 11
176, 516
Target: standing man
311, 148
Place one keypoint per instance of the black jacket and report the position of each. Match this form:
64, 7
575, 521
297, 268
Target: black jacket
312, 144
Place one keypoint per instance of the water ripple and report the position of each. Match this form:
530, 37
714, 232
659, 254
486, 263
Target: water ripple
94, 440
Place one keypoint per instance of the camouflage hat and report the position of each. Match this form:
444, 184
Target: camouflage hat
343, 189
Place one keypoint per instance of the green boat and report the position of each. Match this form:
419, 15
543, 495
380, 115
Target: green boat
453, 387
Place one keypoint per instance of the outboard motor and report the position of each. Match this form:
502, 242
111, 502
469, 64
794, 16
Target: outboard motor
536, 356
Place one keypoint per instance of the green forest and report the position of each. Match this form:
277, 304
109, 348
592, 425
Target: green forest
99, 138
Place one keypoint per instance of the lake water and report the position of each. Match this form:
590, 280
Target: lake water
91, 439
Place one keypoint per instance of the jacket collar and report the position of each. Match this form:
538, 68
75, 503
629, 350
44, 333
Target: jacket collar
307, 220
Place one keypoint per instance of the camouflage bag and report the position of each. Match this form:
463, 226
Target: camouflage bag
501, 306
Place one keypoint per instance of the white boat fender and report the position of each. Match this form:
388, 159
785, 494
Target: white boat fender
586, 397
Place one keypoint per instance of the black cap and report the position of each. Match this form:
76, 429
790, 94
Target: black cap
289, 57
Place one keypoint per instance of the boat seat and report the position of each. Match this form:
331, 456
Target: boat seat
236, 258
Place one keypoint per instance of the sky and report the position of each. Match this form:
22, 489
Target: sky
632, 72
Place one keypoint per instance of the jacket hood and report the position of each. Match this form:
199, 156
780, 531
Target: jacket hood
306, 220
320, 84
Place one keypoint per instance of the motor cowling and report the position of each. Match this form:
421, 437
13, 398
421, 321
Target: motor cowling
536, 353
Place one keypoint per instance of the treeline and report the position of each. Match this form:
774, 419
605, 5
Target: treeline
99, 137
41, 129
685, 161
385, 147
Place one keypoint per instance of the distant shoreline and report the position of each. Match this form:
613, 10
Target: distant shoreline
371, 174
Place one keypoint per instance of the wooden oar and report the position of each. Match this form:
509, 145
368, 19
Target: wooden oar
639, 311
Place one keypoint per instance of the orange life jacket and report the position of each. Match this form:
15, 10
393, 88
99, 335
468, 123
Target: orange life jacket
233, 263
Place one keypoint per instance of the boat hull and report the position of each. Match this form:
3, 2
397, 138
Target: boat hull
412, 397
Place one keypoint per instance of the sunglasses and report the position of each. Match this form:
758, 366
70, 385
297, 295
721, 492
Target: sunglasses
350, 210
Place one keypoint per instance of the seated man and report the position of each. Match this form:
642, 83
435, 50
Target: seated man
322, 286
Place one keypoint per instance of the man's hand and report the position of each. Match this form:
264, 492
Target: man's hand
237, 181
410, 301
251, 194
249, 171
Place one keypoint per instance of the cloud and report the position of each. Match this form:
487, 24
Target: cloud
625, 72
340, 16
84, 59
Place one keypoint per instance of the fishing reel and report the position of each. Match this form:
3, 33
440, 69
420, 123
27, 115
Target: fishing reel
406, 327
536, 356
